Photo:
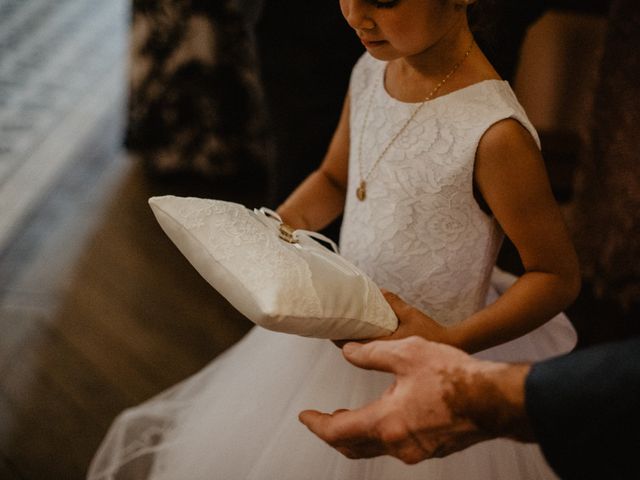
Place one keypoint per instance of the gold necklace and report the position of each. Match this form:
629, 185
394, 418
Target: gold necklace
361, 191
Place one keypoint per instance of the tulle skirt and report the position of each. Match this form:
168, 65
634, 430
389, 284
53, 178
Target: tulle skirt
237, 418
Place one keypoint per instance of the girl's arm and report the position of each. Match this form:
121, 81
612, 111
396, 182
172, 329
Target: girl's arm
320, 198
511, 176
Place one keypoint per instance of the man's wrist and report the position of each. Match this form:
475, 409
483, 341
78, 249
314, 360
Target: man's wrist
506, 414
492, 397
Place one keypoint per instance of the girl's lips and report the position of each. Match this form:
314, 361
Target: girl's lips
372, 43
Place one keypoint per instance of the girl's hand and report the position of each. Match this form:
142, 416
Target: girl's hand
412, 321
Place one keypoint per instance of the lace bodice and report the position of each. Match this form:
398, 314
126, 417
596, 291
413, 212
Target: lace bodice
420, 232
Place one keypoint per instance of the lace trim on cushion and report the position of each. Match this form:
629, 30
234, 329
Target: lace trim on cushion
241, 243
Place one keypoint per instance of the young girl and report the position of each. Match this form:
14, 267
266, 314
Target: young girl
432, 160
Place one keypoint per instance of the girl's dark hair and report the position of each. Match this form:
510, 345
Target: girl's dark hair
483, 16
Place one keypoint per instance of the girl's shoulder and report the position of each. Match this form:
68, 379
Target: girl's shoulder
481, 105
506, 105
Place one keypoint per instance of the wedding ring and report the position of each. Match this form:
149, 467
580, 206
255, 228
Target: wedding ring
286, 233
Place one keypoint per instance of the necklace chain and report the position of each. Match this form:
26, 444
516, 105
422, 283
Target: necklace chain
361, 191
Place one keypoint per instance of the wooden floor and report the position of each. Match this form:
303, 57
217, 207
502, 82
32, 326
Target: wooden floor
98, 311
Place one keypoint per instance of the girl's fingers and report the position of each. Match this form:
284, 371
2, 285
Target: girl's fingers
399, 306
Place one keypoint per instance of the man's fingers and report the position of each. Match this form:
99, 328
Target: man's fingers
376, 355
347, 431
333, 428
408, 451
313, 419
342, 426
365, 449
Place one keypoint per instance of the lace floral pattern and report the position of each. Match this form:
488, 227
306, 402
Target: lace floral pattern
230, 226
420, 232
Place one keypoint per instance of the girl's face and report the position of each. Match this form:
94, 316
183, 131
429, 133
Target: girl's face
391, 29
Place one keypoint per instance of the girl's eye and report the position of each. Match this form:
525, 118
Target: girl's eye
383, 3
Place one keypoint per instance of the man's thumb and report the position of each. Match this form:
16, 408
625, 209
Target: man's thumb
375, 355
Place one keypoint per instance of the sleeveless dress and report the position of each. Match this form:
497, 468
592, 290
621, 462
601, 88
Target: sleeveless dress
421, 234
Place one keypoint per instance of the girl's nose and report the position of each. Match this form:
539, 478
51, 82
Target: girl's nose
356, 13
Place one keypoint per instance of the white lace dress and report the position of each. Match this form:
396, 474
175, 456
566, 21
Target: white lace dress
419, 233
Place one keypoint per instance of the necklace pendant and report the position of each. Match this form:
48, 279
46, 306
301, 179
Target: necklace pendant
361, 191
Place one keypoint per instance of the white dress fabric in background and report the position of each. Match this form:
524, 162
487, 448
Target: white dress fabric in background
420, 234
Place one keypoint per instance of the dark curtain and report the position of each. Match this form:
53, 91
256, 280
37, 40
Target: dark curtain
606, 212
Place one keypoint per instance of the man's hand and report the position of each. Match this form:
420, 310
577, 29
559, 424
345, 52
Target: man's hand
432, 409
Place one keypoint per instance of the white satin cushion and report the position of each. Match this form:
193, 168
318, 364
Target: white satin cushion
301, 288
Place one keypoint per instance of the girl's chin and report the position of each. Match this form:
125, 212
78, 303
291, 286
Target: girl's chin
380, 50
380, 54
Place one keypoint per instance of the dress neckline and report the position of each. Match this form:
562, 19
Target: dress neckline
381, 77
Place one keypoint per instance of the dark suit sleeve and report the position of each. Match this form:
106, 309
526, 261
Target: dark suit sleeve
584, 410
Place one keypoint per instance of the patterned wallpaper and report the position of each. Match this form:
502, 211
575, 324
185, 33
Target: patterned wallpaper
195, 98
